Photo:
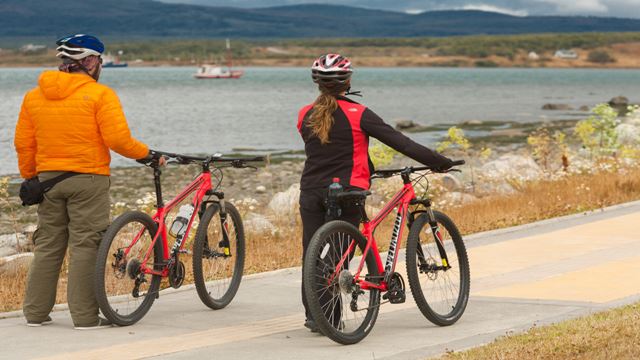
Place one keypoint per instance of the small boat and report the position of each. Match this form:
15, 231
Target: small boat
109, 61
219, 72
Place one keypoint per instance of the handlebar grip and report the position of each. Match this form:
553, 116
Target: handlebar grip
458, 163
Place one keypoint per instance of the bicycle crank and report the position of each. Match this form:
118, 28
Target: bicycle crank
176, 274
396, 293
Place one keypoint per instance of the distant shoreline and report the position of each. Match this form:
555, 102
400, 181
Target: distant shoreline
360, 64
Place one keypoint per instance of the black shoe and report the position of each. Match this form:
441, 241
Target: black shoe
311, 325
46, 321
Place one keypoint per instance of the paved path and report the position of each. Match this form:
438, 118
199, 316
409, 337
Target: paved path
534, 274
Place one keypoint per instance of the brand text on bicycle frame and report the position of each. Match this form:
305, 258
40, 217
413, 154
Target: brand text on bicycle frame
394, 241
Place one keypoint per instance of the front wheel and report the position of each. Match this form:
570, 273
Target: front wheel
440, 284
342, 311
218, 255
123, 291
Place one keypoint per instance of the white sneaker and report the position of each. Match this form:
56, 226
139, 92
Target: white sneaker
101, 324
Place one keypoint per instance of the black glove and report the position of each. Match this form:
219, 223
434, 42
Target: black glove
147, 159
444, 166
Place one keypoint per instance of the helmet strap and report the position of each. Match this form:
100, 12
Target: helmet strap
354, 93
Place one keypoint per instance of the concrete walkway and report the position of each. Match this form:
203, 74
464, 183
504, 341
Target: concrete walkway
524, 276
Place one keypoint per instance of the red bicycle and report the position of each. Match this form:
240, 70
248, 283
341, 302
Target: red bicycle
134, 254
344, 275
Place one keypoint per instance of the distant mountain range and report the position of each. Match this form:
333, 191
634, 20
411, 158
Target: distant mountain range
146, 18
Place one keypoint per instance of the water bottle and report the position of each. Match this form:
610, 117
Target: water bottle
179, 225
333, 208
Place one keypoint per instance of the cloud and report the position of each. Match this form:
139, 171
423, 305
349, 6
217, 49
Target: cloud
494, 8
578, 6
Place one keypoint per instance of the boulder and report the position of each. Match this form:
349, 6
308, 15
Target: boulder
258, 224
285, 203
7, 251
12, 265
405, 124
451, 182
13, 240
511, 166
619, 102
628, 134
556, 107
261, 189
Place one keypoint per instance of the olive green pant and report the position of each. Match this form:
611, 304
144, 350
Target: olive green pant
74, 214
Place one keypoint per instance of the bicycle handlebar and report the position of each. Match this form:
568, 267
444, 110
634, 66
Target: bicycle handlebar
190, 159
411, 169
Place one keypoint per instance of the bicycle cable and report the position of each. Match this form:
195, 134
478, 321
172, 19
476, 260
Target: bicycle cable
218, 178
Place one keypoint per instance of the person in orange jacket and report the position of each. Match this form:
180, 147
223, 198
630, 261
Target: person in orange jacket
68, 123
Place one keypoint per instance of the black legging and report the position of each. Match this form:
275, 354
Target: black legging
313, 214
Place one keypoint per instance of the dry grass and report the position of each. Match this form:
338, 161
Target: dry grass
613, 334
546, 199
534, 201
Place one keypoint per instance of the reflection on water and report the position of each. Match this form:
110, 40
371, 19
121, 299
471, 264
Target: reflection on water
170, 110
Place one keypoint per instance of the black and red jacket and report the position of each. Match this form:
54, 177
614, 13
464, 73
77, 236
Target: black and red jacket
346, 156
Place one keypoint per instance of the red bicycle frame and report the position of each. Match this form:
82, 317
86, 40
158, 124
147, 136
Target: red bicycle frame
201, 186
400, 200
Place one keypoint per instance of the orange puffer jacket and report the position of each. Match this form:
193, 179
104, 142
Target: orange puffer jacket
69, 123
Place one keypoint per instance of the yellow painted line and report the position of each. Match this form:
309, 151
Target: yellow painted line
189, 341
603, 283
513, 255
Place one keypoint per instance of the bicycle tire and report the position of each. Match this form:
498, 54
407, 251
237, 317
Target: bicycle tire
413, 272
317, 247
202, 244
105, 301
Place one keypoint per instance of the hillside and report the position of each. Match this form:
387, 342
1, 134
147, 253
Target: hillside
146, 18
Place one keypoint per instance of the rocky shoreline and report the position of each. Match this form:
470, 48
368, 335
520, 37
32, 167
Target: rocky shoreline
269, 195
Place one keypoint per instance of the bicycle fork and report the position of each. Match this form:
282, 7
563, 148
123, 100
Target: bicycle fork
435, 230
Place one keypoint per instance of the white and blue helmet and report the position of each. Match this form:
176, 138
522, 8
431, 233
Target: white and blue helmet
79, 46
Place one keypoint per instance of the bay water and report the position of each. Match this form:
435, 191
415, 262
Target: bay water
170, 110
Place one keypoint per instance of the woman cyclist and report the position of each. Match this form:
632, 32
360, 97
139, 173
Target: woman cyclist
336, 132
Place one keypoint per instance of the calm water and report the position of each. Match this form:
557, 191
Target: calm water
171, 111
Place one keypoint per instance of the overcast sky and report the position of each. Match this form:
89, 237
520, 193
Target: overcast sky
617, 8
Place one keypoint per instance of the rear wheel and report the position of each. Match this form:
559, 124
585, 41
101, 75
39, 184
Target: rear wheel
341, 310
123, 292
218, 255
440, 288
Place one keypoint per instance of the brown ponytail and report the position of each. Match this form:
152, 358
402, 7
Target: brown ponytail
321, 119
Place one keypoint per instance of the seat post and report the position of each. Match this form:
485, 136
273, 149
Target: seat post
156, 181
363, 212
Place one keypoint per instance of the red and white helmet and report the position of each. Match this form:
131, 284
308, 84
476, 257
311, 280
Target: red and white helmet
331, 69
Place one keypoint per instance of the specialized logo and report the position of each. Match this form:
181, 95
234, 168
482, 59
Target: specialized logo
394, 242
